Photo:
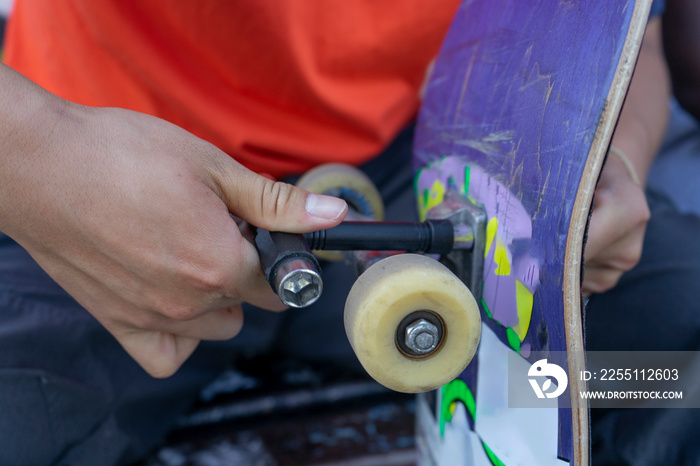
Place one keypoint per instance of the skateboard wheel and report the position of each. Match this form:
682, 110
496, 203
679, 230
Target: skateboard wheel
392, 303
348, 183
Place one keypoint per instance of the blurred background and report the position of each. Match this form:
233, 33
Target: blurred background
5, 6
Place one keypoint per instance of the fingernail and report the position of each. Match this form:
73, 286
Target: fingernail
327, 207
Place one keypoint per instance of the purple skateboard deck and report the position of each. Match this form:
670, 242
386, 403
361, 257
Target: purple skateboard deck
517, 118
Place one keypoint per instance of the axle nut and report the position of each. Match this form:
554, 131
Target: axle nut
422, 337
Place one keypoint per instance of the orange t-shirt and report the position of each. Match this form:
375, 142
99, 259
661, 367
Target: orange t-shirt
280, 85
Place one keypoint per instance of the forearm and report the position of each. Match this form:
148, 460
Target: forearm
29, 115
644, 116
23, 106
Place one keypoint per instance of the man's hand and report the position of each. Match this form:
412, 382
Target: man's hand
132, 216
616, 232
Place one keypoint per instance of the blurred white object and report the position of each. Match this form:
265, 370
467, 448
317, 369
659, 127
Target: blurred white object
5, 7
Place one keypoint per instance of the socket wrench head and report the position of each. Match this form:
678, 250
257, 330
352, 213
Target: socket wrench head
298, 283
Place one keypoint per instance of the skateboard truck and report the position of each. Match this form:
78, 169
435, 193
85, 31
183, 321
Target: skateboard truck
469, 219
455, 231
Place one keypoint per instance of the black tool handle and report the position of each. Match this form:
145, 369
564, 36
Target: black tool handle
430, 237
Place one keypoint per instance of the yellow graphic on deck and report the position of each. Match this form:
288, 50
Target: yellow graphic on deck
523, 298
500, 255
431, 198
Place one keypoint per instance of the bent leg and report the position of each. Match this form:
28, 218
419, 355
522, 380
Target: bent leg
69, 394
655, 307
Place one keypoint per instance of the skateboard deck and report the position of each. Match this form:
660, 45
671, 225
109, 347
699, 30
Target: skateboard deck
517, 118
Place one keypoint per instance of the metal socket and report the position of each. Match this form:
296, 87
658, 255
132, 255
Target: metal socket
298, 284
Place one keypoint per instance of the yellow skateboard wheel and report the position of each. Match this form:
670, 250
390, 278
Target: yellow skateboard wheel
348, 183
392, 299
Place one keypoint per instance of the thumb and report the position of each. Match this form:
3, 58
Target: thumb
274, 205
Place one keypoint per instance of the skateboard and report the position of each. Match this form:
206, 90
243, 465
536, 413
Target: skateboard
515, 125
